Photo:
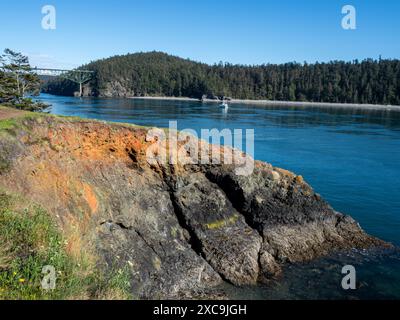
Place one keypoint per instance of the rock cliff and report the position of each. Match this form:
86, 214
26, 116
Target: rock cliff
181, 230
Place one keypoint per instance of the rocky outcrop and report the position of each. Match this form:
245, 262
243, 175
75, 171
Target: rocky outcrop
116, 89
180, 229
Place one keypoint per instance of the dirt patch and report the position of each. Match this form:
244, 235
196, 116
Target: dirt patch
90, 198
8, 113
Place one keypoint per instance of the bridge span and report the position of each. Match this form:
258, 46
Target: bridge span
76, 75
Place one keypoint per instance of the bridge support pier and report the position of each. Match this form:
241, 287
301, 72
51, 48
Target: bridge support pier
78, 76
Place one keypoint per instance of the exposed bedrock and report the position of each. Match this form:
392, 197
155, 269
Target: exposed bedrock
219, 233
181, 230
295, 223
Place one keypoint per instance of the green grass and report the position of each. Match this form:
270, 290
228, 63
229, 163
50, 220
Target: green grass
113, 286
7, 124
17, 122
29, 240
10, 125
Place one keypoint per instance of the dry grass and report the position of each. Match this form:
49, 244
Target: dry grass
5, 256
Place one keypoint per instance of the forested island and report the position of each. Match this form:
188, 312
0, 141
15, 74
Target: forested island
159, 74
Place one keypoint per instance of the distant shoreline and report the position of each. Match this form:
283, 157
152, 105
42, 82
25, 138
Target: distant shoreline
281, 103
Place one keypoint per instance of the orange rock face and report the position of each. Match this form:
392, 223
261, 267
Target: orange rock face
179, 227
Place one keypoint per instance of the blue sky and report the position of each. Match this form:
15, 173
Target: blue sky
237, 31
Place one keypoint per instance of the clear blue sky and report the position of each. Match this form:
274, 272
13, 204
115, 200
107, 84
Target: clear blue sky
237, 31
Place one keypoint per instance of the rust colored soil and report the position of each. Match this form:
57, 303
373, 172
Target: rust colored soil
7, 113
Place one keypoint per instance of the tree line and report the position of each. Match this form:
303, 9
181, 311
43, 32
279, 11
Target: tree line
159, 74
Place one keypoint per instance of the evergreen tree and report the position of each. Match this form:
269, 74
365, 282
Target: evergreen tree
17, 81
157, 73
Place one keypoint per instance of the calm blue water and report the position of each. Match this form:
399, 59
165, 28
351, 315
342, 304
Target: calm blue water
351, 157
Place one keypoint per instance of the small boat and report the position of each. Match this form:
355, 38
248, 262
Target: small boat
224, 104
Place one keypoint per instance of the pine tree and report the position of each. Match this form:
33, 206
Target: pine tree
157, 73
17, 81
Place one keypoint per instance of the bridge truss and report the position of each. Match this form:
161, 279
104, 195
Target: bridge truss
78, 76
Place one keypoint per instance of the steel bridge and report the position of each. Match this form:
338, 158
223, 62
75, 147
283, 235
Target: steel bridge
78, 76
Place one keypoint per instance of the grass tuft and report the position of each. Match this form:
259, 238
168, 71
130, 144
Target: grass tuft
29, 241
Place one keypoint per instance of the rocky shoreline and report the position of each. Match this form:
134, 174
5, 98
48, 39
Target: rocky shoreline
278, 103
181, 230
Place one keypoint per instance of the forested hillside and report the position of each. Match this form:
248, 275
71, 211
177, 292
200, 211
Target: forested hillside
160, 74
